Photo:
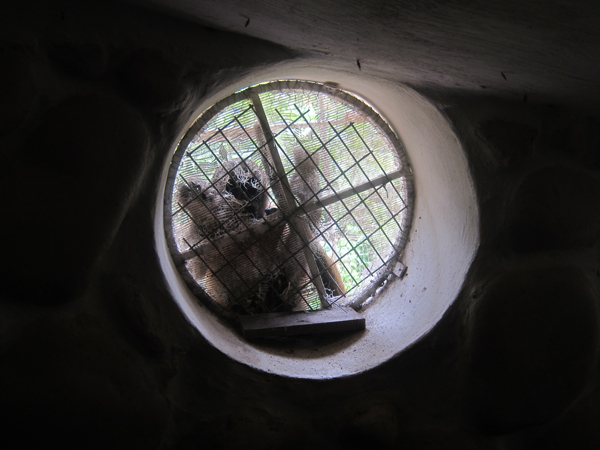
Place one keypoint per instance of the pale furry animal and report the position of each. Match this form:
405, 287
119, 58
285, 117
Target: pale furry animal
247, 182
265, 275
305, 184
241, 276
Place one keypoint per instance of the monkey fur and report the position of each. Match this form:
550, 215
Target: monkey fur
266, 274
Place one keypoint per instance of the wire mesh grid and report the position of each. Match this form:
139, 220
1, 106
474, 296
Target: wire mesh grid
288, 196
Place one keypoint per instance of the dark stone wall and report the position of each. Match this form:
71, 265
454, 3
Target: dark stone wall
95, 353
529, 334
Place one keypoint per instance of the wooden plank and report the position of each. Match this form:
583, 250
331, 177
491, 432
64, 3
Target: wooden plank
263, 227
299, 226
302, 322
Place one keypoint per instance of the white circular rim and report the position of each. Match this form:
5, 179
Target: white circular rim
345, 97
442, 242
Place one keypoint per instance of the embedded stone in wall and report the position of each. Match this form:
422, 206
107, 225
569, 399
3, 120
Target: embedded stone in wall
66, 193
510, 140
85, 61
375, 427
17, 88
150, 80
69, 384
586, 139
141, 317
532, 343
576, 429
555, 207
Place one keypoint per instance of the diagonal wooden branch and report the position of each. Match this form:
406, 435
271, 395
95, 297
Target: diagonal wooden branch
264, 226
289, 203
354, 190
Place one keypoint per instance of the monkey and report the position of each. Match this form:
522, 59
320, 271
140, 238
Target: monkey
204, 205
330, 274
264, 275
268, 274
305, 180
246, 182
305, 184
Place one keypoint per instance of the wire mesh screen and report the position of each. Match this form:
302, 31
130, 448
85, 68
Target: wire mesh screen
288, 196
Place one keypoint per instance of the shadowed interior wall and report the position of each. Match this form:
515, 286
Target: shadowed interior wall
96, 354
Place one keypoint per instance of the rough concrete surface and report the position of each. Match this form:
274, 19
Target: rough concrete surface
96, 353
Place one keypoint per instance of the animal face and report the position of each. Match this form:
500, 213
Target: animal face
202, 204
269, 274
247, 183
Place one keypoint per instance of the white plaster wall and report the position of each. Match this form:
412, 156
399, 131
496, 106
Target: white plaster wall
443, 239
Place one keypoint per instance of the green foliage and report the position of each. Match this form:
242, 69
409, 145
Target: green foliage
355, 260
350, 150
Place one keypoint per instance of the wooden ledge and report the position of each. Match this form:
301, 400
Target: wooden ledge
301, 322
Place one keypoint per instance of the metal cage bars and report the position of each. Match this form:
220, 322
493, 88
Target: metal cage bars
373, 183
292, 215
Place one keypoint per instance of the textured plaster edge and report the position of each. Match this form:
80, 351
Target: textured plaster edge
443, 239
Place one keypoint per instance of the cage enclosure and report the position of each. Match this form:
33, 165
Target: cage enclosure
288, 196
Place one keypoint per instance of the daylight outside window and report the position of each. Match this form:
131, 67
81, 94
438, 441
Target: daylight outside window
288, 196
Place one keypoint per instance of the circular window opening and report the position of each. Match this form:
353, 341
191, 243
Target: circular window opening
288, 196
